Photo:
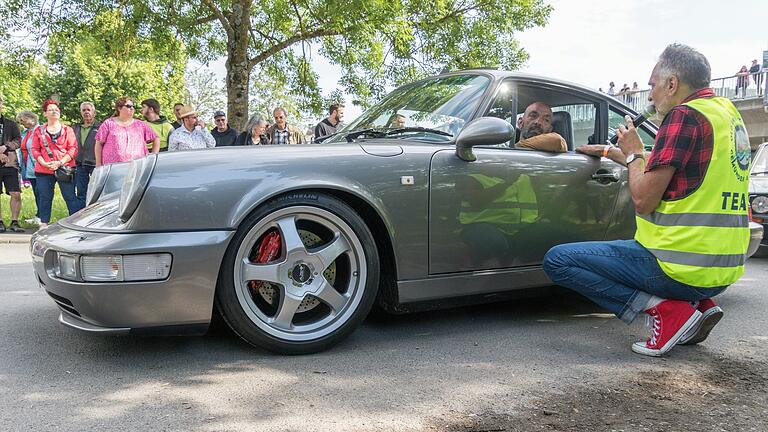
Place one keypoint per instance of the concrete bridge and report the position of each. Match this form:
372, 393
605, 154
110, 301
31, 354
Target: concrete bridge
750, 100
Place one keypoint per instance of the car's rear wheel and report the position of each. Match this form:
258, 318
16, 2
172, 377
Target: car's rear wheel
300, 274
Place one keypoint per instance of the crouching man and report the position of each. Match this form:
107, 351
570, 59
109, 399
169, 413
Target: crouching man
690, 197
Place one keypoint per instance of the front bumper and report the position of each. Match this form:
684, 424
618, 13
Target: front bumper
184, 300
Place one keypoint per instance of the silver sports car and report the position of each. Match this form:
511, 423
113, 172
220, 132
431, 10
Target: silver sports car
422, 202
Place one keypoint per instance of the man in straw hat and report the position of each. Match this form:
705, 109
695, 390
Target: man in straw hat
192, 134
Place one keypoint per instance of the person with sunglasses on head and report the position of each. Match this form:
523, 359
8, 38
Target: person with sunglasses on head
192, 135
54, 145
123, 138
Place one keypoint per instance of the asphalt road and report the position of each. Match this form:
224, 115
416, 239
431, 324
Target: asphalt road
510, 366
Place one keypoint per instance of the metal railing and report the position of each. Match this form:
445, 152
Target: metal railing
733, 87
637, 100
741, 86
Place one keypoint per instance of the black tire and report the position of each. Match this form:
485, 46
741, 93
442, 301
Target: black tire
255, 330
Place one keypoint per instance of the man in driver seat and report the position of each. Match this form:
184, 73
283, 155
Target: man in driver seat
536, 130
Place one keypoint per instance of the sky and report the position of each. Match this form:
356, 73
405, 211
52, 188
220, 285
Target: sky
597, 41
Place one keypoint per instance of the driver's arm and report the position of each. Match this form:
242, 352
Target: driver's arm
550, 142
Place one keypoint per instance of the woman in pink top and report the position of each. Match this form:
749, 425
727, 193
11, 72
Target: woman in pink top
122, 138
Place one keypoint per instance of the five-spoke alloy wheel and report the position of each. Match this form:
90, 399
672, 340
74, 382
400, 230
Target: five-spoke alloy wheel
300, 274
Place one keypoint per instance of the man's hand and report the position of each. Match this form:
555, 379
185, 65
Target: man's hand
3, 159
614, 153
3, 148
629, 140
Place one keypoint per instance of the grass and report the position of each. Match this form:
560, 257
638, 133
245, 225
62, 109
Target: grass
28, 207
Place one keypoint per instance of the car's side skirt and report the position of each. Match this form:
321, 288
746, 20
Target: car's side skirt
471, 284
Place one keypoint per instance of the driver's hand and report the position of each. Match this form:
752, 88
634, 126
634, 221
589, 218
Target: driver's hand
614, 153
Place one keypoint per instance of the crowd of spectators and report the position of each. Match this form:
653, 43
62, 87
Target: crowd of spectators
41, 156
746, 76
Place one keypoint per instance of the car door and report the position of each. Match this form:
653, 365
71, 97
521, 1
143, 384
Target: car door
507, 208
510, 206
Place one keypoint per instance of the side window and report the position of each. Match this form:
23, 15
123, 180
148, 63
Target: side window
576, 123
504, 107
615, 119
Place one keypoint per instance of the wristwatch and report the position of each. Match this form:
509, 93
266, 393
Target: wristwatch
634, 157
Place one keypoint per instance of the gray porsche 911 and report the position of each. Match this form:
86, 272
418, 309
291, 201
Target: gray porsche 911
423, 201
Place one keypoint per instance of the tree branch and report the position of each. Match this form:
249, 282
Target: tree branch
274, 49
204, 20
217, 12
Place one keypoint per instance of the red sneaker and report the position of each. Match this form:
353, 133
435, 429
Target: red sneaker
710, 316
670, 320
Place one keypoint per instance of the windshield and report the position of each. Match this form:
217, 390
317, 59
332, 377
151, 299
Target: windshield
760, 164
443, 104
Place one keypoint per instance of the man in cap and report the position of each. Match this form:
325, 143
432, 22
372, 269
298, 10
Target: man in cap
192, 135
224, 135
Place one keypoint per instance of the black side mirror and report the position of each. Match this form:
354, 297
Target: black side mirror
482, 131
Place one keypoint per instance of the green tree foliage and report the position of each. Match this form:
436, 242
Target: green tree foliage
110, 57
376, 42
18, 75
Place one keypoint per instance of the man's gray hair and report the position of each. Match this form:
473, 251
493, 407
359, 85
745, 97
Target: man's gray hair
254, 121
689, 65
90, 104
26, 115
285, 113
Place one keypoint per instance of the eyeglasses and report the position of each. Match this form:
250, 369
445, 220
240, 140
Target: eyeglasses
129, 106
219, 120
52, 110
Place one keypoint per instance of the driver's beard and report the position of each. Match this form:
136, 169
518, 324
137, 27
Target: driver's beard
532, 132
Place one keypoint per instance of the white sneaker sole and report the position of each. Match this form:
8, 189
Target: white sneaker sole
640, 348
700, 331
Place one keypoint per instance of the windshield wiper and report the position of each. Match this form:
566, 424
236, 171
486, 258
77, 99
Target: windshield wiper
376, 133
418, 129
759, 172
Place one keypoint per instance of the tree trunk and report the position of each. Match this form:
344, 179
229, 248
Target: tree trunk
238, 67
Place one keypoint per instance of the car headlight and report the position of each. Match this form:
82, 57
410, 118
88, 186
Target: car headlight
134, 185
66, 266
760, 204
96, 184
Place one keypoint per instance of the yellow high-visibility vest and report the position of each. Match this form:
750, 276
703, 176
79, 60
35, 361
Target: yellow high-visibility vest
515, 205
701, 239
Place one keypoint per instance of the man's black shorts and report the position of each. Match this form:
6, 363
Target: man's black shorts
9, 180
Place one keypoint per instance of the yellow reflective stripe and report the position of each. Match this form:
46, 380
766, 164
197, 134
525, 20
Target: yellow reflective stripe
697, 219
699, 260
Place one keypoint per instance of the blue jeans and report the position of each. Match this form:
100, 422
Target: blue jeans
82, 177
45, 187
33, 182
620, 276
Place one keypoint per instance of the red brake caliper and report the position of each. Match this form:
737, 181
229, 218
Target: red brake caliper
267, 251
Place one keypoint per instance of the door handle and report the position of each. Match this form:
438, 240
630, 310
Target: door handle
605, 176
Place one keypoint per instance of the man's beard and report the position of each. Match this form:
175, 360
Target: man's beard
532, 132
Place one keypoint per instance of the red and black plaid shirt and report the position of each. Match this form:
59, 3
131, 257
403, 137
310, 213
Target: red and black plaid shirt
685, 141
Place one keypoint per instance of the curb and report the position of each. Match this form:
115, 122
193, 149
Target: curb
15, 238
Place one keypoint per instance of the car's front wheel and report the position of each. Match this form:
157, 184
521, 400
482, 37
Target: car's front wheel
300, 274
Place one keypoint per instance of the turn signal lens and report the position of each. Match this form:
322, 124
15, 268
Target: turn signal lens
126, 268
106, 268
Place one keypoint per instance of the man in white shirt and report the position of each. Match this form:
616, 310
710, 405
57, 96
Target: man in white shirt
192, 134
